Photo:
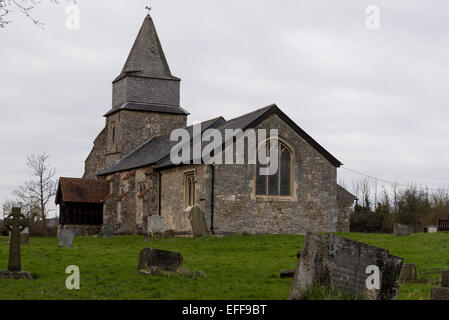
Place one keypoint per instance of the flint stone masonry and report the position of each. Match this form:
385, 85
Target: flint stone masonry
408, 272
151, 259
341, 263
402, 229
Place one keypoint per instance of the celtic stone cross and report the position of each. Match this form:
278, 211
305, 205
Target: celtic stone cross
16, 222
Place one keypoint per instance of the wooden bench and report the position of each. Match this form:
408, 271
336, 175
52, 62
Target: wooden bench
443, 225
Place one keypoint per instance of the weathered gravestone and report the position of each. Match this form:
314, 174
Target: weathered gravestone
445, 280
332, 261
15, 223
108, 231
402, 229
441, 293
198, 221
430, 229
155, 225
66, 238
153, 259
408, 272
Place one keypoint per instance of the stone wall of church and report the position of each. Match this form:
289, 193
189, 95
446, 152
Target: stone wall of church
311, 207
133, 198
95, 162
345, 201
173, 208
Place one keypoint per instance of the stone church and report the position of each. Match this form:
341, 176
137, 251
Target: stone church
129, 175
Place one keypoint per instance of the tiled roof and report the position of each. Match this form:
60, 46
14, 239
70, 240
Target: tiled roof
81, 190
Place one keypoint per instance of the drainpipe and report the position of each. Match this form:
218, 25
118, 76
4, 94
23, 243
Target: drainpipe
160, 194
212, 200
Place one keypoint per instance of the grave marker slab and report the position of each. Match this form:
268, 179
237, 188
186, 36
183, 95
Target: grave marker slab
402, 229
155, 225
329, 260
151, 259
408, 272
66, 238
108, 231
198, 222
445, 280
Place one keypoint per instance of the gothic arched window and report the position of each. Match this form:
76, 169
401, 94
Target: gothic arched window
280, 183
189, 189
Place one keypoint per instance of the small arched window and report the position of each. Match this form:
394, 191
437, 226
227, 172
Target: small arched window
189, 189
280, 183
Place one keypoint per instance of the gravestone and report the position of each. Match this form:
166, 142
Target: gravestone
402, 229
287, 273
198, 222
66, 238
108, 231
430, 229
408, 272
329, 260
445, 280
15, 223
155, 225
152, 259
441, 293
24, 236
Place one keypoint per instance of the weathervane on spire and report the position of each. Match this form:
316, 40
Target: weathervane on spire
149, 9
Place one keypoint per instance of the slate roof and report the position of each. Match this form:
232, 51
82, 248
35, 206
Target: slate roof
147, 59
81, 190
152, 151
156, 150
148, 107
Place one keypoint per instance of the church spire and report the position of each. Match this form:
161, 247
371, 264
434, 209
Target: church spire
146, 77
147, 59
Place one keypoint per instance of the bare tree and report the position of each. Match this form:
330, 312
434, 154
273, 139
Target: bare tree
30, 210
37, 193
23, 6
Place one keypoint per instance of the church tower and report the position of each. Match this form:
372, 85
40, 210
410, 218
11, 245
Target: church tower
145, 103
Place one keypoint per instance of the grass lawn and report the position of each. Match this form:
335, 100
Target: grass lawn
236, 267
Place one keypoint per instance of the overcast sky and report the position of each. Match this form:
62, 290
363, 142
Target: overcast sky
378, 100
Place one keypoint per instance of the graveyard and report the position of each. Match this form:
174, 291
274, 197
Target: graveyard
239, 266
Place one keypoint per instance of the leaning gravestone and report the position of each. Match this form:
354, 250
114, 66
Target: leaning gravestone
108, 231
152, 259
66, 238
402, 229
198, 221
155, 225
332, 261
15, 223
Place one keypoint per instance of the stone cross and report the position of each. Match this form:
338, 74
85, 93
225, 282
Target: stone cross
16, 222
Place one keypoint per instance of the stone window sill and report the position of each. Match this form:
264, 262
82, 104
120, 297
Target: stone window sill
260, 198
